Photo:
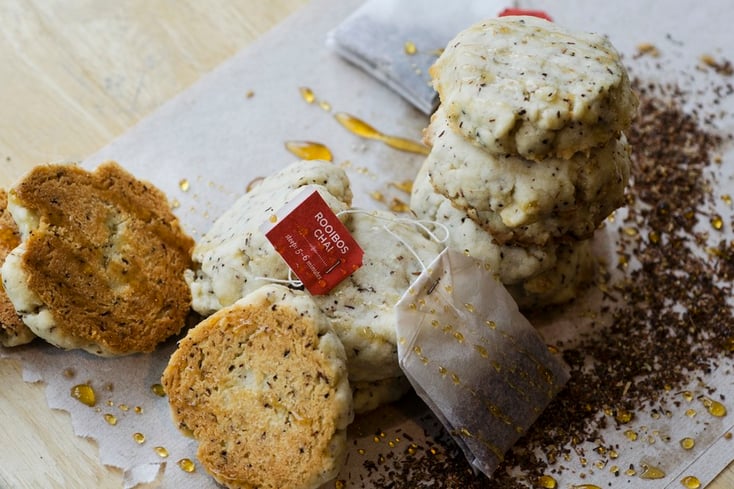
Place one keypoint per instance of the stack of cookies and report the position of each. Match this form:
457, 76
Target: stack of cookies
528, 152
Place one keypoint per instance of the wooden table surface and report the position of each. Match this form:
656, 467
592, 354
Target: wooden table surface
75, 74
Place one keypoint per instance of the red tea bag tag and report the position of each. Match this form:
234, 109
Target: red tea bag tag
521, 11
313, 242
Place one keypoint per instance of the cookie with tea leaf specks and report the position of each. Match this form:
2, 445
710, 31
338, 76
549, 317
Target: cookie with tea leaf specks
262, 386
526, 86
526, 202
362, 307
234, 257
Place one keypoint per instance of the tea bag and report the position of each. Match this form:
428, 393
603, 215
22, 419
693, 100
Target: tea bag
474, 358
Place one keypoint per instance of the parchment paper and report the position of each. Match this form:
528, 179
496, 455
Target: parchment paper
217, 138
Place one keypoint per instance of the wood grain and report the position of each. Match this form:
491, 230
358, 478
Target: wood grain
74, 75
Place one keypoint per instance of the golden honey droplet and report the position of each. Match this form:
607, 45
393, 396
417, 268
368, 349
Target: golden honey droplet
397, 205
459, 337
309, 150
377, 196
410, 48
586, 486
654, 237
717, 222
631, 435
249, 94
407, 145
491, 324
161, 451
650, 472
691, 413
715, 408
111, 419
442, 370
139, 438
547, 482
138, 410
630, 231
273, 218
361, 128
690, 482
187, 465
623, 416
325, 106
687, 395
158, 390
469, 307
687, 443
406, 186
455, 379
307, 94
175, 204
85, 394
357, 126
184, 185
726, 198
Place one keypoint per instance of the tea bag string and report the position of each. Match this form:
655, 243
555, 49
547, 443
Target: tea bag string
423, 225
290, 281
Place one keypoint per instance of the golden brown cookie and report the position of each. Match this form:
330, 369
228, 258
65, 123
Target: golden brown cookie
12, 330
262, 386
101, 265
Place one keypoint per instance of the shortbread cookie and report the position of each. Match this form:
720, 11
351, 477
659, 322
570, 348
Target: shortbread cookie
526, 86
511, 264
574, 270
102, 259
362, 307
262, 386
13, 331
368, 396
234, 257
521, 201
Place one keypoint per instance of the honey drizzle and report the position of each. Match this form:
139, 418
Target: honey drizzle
361, 128
309, 150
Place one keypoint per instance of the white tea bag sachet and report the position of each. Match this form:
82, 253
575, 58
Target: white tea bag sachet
474, 358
